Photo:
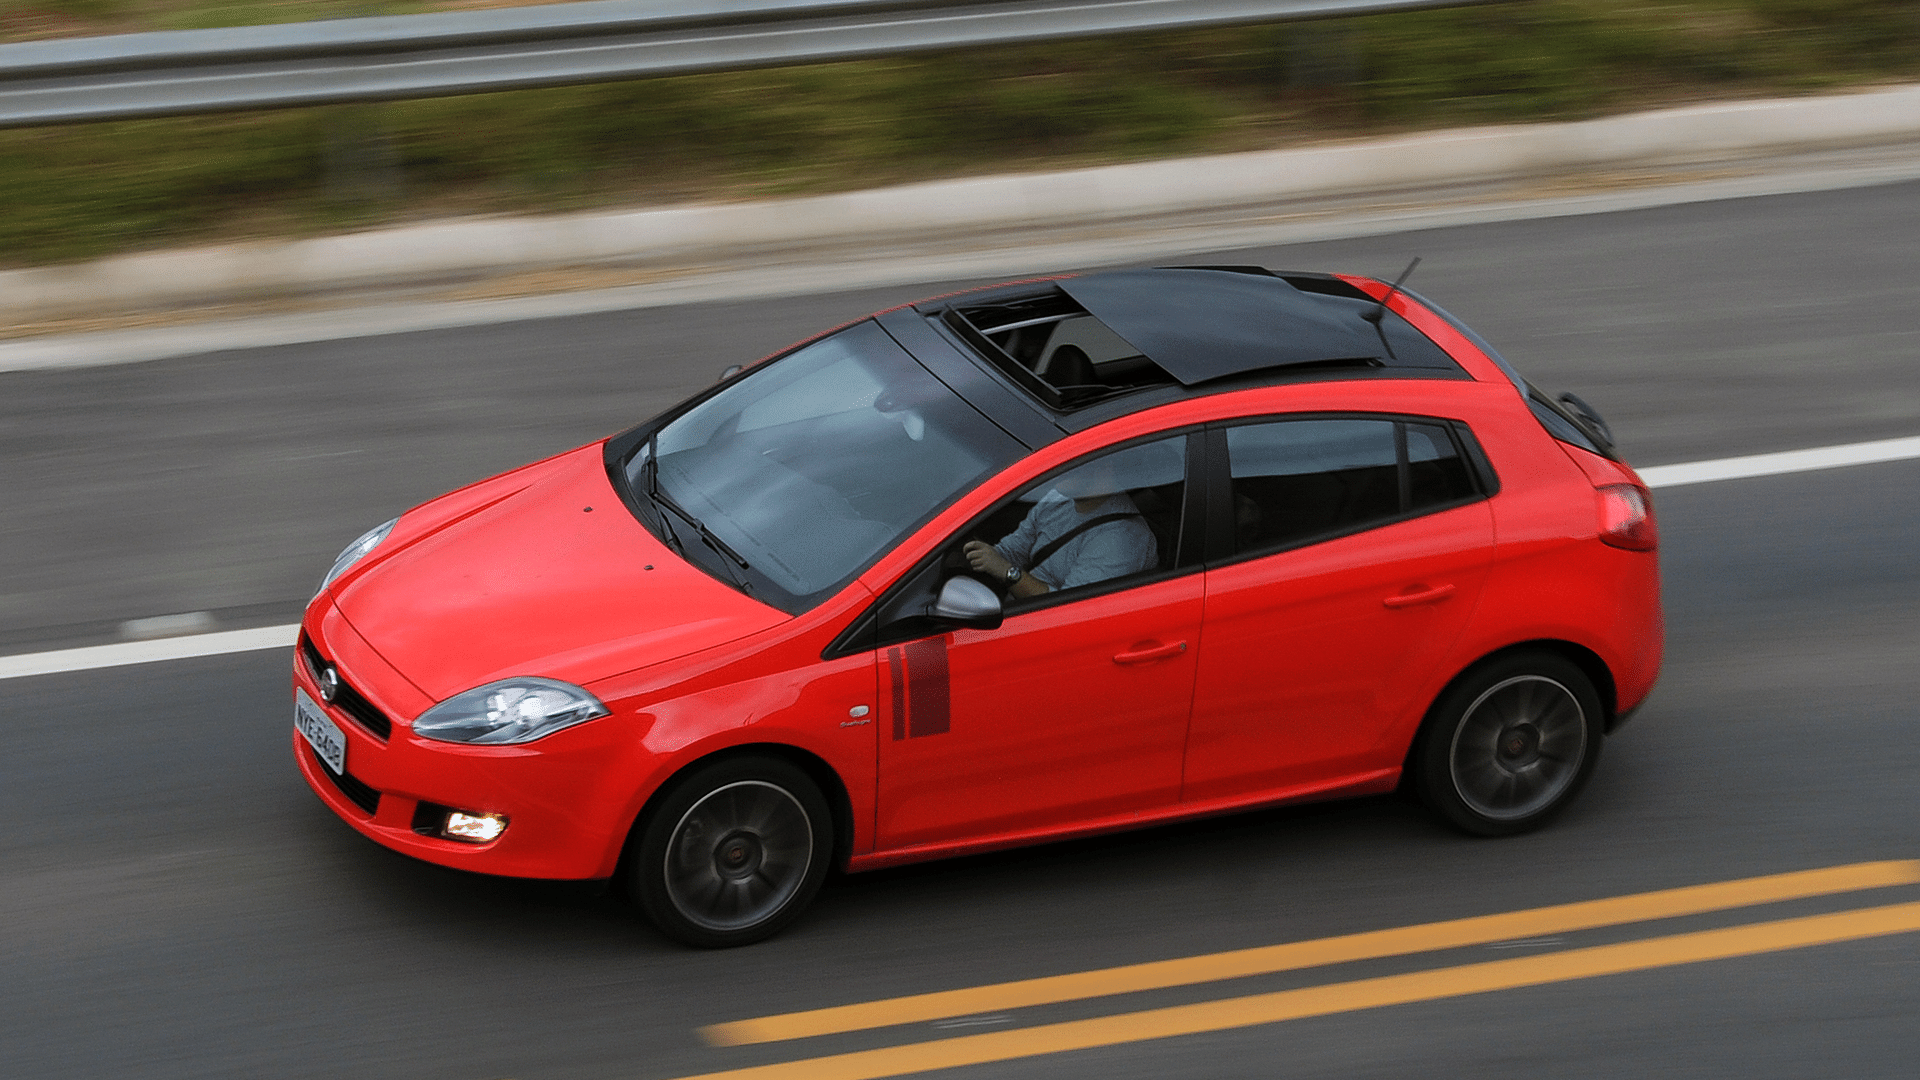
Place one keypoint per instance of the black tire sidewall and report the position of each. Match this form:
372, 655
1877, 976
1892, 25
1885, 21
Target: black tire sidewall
643, 872
1433, 750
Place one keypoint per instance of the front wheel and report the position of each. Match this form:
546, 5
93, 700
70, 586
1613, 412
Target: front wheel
1510, 744
732, 852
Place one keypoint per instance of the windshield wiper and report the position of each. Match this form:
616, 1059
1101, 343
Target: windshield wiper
729, 558
651, 473
664, 501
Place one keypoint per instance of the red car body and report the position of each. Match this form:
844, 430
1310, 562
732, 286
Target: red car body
1113, 711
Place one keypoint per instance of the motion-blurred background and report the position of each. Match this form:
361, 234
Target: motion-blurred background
85, 191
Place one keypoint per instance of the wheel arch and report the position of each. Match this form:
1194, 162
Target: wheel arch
1588, 661
816, 768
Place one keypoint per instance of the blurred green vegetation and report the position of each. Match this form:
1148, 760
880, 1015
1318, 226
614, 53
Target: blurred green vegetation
83, 191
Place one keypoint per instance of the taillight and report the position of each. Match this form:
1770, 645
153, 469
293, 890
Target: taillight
1626, 517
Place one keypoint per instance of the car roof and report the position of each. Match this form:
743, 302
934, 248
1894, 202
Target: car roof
1199, 329
1201, 324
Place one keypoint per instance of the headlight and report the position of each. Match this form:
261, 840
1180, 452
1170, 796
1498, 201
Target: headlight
509, 711
356, 551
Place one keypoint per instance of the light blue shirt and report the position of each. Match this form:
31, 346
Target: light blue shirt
1104, 552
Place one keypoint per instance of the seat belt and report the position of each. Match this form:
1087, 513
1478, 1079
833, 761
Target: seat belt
1054, 545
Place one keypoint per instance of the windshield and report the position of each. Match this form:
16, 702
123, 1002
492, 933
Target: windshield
810, 467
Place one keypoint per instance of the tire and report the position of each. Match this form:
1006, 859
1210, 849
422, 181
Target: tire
731, 853
1509, 744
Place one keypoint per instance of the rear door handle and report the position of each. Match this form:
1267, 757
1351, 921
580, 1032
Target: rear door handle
1150, 653
1431, 595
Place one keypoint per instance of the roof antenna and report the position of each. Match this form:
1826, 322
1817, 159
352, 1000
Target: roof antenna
1374, 314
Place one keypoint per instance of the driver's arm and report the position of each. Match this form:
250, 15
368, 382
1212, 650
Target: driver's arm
986, 560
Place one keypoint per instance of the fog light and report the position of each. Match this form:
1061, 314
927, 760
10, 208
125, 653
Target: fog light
473, 828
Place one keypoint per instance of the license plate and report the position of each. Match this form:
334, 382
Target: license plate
322, 734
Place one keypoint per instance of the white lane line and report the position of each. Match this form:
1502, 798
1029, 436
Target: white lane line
1790, 461
282, 637
147, 652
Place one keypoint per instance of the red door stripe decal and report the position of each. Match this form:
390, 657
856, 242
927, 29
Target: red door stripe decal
921, 689
927, 687
899, 695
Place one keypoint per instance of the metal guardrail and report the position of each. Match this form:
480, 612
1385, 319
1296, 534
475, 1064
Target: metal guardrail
411, 56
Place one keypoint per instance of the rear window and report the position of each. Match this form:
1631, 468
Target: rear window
1560, 425
1559, 422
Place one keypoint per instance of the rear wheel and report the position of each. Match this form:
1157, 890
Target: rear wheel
1510, 744
732, 852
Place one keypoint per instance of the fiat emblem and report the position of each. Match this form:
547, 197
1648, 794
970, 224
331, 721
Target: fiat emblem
329, 683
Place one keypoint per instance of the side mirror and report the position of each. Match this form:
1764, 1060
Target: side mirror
967, 602
730, 372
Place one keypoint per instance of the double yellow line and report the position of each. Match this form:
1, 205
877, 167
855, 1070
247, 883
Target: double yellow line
1269, 1008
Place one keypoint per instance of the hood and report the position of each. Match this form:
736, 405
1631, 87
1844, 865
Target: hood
554, 579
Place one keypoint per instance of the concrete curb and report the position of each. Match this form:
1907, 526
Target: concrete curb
1096, 197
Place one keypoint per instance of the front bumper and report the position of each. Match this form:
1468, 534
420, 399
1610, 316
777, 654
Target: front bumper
569, 798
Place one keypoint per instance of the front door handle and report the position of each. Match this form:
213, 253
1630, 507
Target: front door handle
1149, 653
1419, 596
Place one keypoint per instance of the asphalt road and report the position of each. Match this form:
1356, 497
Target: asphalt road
175, 904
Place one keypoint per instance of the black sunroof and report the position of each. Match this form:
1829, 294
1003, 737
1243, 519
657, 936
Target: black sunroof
1204, 324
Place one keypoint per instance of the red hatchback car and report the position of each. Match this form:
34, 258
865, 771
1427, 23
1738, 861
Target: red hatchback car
1036, 561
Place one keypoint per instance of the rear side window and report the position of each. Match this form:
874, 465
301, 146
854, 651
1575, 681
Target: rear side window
1437, 474
1303, 478
1295, 481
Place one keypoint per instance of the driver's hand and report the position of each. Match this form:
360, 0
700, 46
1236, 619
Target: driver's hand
984, 559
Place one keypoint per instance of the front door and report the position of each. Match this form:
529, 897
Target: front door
1075, 708
1066, 714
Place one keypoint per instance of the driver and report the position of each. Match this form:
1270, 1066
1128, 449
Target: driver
1085, 529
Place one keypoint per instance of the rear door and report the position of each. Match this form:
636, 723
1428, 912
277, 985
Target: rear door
1356, 549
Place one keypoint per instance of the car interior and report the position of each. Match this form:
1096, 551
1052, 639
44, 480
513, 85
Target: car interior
1054, 347
1159, 505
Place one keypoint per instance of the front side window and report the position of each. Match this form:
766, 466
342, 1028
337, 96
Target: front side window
1293, 481
809, 468
1107, 522
1114, 516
